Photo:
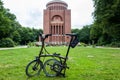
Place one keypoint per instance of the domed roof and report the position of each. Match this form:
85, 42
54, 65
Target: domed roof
57, 1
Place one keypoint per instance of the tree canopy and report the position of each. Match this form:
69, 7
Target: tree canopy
106, 27
12, 31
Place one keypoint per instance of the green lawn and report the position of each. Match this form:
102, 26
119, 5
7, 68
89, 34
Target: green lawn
85, 63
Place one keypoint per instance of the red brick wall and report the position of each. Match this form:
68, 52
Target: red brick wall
66, 17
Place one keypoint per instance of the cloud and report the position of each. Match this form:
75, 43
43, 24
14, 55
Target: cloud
81, 12
30, 12
32, 18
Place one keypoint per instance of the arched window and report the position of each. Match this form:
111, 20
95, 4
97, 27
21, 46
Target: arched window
56, 18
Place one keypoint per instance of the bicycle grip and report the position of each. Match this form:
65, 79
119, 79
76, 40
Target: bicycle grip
46, 36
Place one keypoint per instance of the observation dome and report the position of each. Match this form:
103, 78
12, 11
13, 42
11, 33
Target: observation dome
57, 5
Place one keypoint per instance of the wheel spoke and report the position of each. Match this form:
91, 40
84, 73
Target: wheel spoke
51, 67
33, 68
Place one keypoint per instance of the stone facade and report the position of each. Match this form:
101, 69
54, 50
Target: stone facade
57, 21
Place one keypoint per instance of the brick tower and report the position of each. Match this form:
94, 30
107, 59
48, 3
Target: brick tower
57, 21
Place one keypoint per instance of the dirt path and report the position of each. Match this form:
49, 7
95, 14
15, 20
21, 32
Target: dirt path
13, 47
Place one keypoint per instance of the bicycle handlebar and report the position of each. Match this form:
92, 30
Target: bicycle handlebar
72, 34
43, 36
46, 36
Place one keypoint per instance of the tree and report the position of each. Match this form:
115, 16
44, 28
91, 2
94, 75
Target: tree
36, 33
107, 18
11, 28
84, 34
7, 21
6, 42
95, 33
16, 37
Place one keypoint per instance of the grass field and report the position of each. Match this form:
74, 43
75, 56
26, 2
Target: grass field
85, 63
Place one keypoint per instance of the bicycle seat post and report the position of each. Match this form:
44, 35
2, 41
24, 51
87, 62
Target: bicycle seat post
72, 37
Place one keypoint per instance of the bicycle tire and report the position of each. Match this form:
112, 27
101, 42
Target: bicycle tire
52, 67
34, 68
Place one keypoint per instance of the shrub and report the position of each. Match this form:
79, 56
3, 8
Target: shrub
101, 41
115, 44
83, 44
7, 42
30, 44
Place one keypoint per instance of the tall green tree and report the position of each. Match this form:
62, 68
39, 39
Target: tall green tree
107, 19
7, 22
12, 31
83, 34
4, 22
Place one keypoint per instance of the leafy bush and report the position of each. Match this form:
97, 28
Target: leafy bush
30, 44
115, 44
7, 42
83, 44
101, 41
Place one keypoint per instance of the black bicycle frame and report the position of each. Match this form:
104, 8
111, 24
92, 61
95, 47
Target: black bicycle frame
68, 51
73, 36
62, 60
43, 43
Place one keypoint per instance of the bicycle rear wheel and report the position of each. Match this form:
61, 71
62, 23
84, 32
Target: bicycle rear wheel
52, 67
34, 68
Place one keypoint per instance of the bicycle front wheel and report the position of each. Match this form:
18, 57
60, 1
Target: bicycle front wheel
52, 67
34, 68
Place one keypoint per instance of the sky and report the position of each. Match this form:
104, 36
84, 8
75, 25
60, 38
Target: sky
29, 13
